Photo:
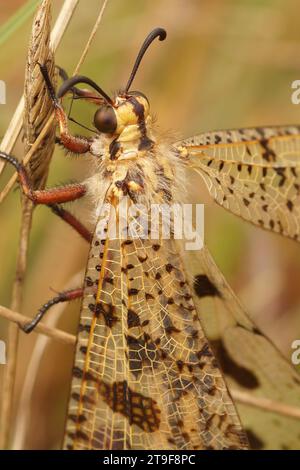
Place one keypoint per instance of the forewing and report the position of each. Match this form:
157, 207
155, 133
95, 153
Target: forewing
145, 376
254, 173
251, 363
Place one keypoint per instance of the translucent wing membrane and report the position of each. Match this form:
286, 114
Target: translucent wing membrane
254, 173
251, 363
145, 376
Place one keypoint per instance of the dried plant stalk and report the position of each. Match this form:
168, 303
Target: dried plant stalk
15, 125
37, 109
38, 119
265, 404
37, 114
54, 333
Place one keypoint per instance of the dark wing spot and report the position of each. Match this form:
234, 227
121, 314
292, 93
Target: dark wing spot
241, 375
204, 287
138, 409
255, 442
132, 319
133, 291
290, 205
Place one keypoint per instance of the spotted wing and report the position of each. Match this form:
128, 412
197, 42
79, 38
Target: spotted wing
250, 362
145, 376
254, 173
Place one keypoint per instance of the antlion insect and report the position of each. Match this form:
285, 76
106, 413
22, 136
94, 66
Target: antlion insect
145, 376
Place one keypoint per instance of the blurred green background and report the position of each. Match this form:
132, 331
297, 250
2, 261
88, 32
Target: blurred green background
225, 64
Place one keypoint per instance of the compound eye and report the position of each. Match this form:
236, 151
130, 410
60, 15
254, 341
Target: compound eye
105, 120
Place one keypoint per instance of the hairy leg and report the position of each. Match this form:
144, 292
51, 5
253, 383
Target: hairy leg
57, 195
71, 220
52, 197
78, 144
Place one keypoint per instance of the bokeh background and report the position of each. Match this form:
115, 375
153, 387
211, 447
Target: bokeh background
225, 64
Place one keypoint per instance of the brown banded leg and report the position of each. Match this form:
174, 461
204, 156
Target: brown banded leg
61, 297
52, 197
78, 144
57, 195
71, 220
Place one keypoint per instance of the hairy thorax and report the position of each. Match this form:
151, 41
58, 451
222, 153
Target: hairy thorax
137, 164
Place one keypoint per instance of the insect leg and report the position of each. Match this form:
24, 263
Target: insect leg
46, 196
69, 218
78, 144
61, 297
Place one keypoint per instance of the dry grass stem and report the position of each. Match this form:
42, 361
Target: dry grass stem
91, 37
54, 333
37, 107
39, 132
15, 125
37, 112
265, 404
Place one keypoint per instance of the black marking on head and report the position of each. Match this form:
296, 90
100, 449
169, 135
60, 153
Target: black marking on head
114, 149
204, 287
139, 111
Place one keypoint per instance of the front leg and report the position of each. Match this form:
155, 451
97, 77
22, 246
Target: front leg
45, 196
77, 144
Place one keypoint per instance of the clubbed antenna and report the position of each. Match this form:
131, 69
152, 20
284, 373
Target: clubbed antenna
157, 32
